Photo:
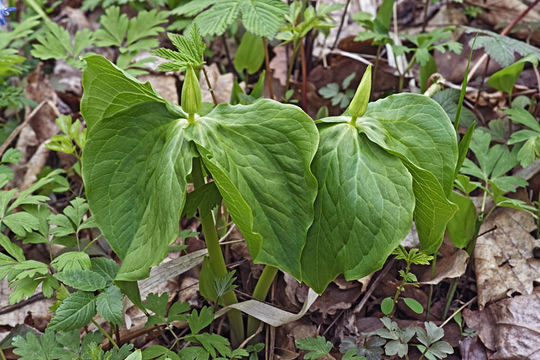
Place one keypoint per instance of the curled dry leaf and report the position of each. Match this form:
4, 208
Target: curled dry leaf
448, 267
510, 327
504, 261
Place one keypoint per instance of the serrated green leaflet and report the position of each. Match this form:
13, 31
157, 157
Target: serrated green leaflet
75, 312
140, 150
363, 209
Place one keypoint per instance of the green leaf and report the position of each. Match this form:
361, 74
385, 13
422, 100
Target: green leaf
108, 90
448, 99
501, 48
263, 17
318, 347
137, 355
158, 351
215, 20
363, 209
462, 228
108, 268
157, 303
21, 223
250, 54
189, 52
44, 348
414, 305
12, 249
199, 320
270, 192
522, 116
387, 305
204, 198
75, 312
85, 280
109, 305
11, 156
72, 260
505, 79
417, 130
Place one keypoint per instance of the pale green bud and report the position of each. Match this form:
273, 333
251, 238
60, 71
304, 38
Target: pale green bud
360, 100
191, 93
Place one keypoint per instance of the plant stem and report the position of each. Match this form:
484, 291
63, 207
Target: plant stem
341, 24
426, 9
399, 290
450, 297
210, 88
304, 76
260, 292
376, 67
217, 262
291, 64
430, 297
106, 334
267, 66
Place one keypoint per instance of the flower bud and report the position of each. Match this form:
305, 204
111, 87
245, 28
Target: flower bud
360, 100
191, 93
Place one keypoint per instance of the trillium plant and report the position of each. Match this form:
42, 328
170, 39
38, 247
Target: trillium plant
313, 199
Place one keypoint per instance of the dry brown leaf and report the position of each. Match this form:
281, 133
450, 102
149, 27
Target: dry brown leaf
503, 258
278, 64
165, 85
16, 317
510, 327
471, 348
448, 267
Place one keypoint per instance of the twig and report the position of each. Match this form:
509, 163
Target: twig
368, 293
245, 342
209, 86
504, 32
457, 311
304, 75
268, 72
19, 128
341, 24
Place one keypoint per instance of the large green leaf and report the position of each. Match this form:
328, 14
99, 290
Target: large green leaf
135, 166
108, 90
259, 156
363, 210
417, 130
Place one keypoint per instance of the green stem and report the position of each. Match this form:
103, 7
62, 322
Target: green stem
430, 297
291, 64
450, 297
217, 262
260, 292
106, 334
399, 290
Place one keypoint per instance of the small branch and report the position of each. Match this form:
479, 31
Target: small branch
304, 75
268, 71
457, 311
210, 88
106, 334
341, 24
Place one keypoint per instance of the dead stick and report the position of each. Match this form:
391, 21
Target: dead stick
19, 128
